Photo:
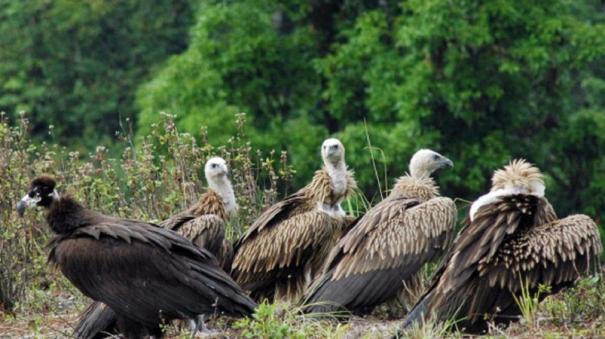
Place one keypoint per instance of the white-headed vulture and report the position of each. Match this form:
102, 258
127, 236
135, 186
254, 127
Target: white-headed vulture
146, 274
513, 240
384, 251
286, 246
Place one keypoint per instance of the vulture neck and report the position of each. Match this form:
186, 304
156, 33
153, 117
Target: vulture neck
496, 194
420, 172
65, 215
338, 176
222, 186
423, 188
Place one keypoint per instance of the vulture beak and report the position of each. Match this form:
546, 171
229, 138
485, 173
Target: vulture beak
332, 149
447, 162
24, 203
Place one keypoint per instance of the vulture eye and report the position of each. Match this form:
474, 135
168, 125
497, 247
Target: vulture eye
214, 165
435, 157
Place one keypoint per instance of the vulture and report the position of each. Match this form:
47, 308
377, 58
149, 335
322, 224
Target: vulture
513, 240
285, 247
203, 224
146, 274
384, 251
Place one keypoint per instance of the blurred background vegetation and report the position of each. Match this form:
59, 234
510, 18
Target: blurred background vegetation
479, 81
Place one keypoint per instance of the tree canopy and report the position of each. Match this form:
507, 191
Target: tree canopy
76, 64
481, 82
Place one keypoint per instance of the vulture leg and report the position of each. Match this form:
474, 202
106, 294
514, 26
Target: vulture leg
198, 325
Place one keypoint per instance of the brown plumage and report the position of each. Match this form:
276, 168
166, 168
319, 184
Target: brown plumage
144, 273
513, 237
285, 247
388, 245
203, 224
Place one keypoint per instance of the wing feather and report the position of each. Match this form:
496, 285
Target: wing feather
167, 272
387, 246
565, 246
274, 215
541, 250
284, 246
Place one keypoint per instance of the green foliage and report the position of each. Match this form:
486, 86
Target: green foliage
266, 323
528, 300
236, 61
18, 255
580, 305
76, 64
480, 82
280, 321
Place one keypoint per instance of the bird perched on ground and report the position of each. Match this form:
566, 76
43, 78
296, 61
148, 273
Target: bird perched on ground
513, 241
146, 274
203, 224
285, 247
388, 246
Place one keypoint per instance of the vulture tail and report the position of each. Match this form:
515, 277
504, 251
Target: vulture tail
417, 312
97, 321
313, 303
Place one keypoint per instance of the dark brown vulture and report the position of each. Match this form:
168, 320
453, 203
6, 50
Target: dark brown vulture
285, 247
146, 274
388, 246
513, 239
203, 224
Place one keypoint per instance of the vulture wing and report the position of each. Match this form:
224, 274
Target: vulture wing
555, 254
279, 244
207, 231
140, 271
514, 240
272, 216
387, 247
176, 221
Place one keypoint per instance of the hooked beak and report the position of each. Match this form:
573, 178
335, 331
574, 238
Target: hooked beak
24, 203
447, 162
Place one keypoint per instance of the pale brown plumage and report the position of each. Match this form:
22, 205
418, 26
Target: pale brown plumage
290, 240
513, 237
386, 248
203, 223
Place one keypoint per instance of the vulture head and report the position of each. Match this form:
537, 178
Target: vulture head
519, 177
41, 193
332, 151
215, 168
425, 162
216, 172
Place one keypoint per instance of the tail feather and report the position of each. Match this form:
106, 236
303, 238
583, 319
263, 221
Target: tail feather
417, 313
97, 321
